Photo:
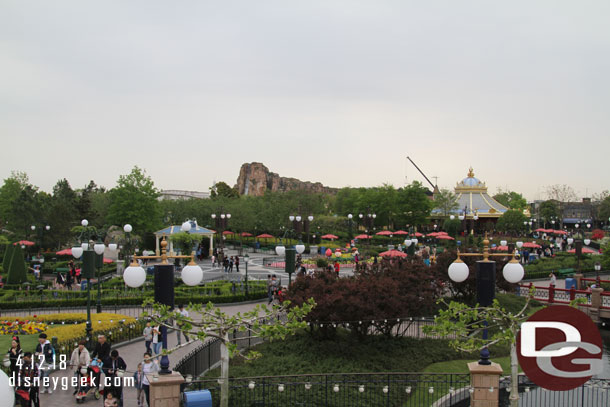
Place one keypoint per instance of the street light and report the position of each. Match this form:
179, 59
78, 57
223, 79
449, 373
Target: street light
246, 260
486, 280
134, 276
598, 267
349, 222
41, 230
222, 224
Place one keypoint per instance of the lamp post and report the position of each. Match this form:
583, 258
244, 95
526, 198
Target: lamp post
88, 268
301, 223
598, 267
222, 224
246, 260
486, 280
191, 275
349, 225
41, 231
99, 249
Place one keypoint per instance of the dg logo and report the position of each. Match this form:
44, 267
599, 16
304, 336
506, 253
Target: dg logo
559, 348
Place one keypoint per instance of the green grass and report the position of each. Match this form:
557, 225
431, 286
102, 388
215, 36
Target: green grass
305, 353
28, 342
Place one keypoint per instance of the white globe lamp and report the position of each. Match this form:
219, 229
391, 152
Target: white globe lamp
77, 252
408, 242
300, 248
84, 222
280, 250
458, 271
503, 242
191, 274
587, 241
112, 246
186, 226
127, 228
99, 248
570, 240
519, 244
513, 271
134, 275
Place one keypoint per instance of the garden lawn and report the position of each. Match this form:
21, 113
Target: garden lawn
306, 353
28, 343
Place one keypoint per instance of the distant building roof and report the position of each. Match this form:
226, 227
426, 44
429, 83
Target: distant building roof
195, 229
174, 194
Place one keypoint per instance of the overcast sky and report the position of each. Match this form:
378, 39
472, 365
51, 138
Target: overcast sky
333, 91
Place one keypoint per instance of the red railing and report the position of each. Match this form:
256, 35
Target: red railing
594, 280
554, 295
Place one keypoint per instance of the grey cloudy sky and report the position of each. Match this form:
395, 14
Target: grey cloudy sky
332, 91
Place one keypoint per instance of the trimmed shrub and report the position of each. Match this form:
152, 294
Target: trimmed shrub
17, 270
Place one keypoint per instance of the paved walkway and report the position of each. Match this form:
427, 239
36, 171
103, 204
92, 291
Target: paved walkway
132, 354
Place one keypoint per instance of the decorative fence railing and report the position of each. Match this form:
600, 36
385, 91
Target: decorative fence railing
594, 393
207, 355
127, 310
342, 390
555, 295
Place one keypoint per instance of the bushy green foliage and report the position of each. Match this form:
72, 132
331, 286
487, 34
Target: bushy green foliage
17, 269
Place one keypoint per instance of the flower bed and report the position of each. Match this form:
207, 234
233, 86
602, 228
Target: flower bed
22, 327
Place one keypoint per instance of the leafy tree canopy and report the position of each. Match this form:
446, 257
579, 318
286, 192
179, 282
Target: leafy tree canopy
446, 201
511, 221
224, 190
511, 199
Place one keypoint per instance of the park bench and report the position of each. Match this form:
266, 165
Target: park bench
565, 272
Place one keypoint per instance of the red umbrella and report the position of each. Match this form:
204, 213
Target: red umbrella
443, 233
584, 250
444, 237
503, 248
384, 233
246, 234
541, 230
393, 253
362, 237
64, 252
433, 234
265, 236
330, 236
401, 232
417, 234
531, 245
108, 260
24, 243
228, 232
560, 232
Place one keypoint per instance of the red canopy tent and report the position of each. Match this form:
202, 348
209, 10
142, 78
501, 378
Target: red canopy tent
444, 237
417, 234
502, 248
531, 245
401, 232
65, 252
330, 236
24, 243
228, 232
108, 260
443, 233
362, 237
393, 253
264, 236
433, 234
584, 251
384, 233
246, 234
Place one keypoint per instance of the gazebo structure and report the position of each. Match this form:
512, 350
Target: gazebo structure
195, 229
474, 203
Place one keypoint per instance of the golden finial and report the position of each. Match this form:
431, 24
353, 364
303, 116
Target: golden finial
470, 173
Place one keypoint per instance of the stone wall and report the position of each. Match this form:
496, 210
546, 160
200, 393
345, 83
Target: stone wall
254, 179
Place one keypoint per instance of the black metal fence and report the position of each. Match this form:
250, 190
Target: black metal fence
594, 393
207, 355
342, 390
129, 310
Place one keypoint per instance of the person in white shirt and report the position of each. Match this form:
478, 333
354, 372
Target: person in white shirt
149, 368
185, 314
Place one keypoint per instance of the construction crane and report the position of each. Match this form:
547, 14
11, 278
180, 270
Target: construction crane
434, 187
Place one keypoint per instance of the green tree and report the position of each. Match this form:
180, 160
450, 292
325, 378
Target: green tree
511, 199
511, 221
452, 226
17, 269
549, 210
413, 205
272, 323
20, 204
6, 260
223, 189
604, 209
465, 324
134, 201
446, 201
185, 242
63, 213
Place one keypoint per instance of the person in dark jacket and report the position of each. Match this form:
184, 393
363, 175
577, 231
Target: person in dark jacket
101, 353
111, 366
46, 350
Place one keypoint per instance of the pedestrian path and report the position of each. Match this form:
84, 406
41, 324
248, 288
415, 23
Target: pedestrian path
132, 354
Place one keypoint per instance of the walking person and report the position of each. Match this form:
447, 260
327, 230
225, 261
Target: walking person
237, 264
231, 261
157, 341
553, 279
111, 366
148, 336
45, 354
225, 264
138, 378
101, 352
14, 353
179, 332
149, 368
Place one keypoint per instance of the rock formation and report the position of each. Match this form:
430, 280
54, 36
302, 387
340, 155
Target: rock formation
254, 179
